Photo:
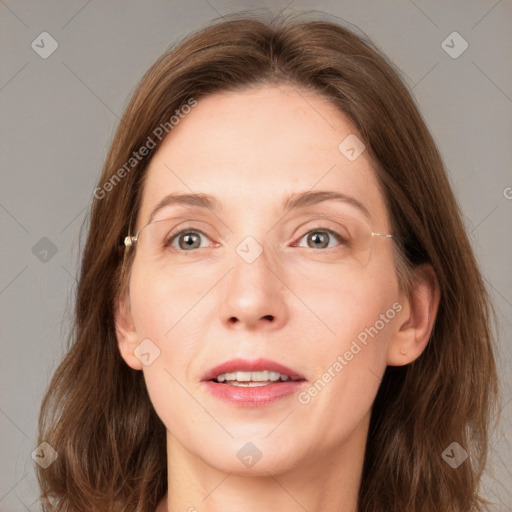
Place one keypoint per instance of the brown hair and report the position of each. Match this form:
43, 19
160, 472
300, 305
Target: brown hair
97, 414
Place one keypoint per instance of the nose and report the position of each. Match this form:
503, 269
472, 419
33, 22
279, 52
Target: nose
255, 295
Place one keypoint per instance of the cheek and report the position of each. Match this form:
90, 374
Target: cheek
169, 311
346, 303
161, 300
156, 312
350, 357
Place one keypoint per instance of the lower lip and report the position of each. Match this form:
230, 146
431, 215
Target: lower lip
254, 396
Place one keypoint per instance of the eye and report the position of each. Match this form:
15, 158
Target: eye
187, 239
319, 238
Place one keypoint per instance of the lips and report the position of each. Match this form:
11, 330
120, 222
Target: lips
258, 365
243, 393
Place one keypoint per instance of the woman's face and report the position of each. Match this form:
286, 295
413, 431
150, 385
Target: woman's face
255, 281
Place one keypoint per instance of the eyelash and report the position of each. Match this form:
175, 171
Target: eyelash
190, 229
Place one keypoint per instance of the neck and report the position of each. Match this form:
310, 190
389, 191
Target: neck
320, 481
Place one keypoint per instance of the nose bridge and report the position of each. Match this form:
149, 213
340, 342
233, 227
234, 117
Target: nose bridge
256, 265
254, 241
255, 287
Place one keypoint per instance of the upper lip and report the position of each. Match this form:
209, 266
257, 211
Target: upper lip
243, 365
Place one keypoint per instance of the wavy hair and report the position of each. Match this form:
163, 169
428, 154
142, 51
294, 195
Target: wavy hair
96, 412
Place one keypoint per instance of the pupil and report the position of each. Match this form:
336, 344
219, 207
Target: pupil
189, 240
318, 234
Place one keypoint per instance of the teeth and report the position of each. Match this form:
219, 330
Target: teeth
246, 384
252, 378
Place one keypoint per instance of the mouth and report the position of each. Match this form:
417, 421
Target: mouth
252, 383
260, 371
253, 379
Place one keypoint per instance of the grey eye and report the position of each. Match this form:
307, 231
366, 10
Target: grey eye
319, 238
187, 239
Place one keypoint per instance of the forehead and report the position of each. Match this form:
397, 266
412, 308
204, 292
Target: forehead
252, 149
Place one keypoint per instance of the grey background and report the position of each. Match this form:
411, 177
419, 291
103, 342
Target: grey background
59, 114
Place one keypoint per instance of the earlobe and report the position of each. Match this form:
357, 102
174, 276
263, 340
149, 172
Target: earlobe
126, 334
416, 320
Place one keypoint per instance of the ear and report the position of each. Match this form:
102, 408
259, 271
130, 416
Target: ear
416, 319
127, 339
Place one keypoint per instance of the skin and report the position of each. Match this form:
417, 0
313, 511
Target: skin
251, 149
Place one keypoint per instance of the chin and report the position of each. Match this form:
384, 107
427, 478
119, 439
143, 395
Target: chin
251, 455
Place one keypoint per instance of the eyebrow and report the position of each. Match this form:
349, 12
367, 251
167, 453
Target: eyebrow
293, 200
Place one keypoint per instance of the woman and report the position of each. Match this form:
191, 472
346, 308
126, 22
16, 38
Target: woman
278, 305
